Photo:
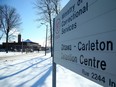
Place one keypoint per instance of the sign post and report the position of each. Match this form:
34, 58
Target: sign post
54, 75
84, 39
53, 63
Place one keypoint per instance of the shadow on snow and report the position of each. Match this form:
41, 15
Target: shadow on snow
42, 79
23, 62
4, 77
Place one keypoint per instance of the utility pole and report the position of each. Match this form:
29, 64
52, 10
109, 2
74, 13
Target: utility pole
46, 37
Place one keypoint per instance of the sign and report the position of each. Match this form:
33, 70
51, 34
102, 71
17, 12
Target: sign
84, 39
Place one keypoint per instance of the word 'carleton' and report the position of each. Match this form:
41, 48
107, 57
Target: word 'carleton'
96, 45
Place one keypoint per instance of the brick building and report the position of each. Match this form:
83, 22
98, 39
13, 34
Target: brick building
26, 46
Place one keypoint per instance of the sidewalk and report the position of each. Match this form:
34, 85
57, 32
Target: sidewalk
9, 54
12, 54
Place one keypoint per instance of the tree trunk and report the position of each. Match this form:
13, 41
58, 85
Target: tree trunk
51, 41
51, 34
7, 42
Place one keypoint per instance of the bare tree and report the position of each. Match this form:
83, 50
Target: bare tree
10, 19
1, 32
46, 11
56, 6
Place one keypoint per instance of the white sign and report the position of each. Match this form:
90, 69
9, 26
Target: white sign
84, 39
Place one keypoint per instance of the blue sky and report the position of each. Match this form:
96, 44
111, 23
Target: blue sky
29, 27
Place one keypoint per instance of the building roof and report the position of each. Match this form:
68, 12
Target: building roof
29, 41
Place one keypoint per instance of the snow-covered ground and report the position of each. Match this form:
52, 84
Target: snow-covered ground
35, 70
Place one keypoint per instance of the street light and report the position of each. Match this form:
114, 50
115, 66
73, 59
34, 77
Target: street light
46, 37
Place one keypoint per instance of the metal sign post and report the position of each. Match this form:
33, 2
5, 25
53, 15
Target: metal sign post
53, 63
54, 75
